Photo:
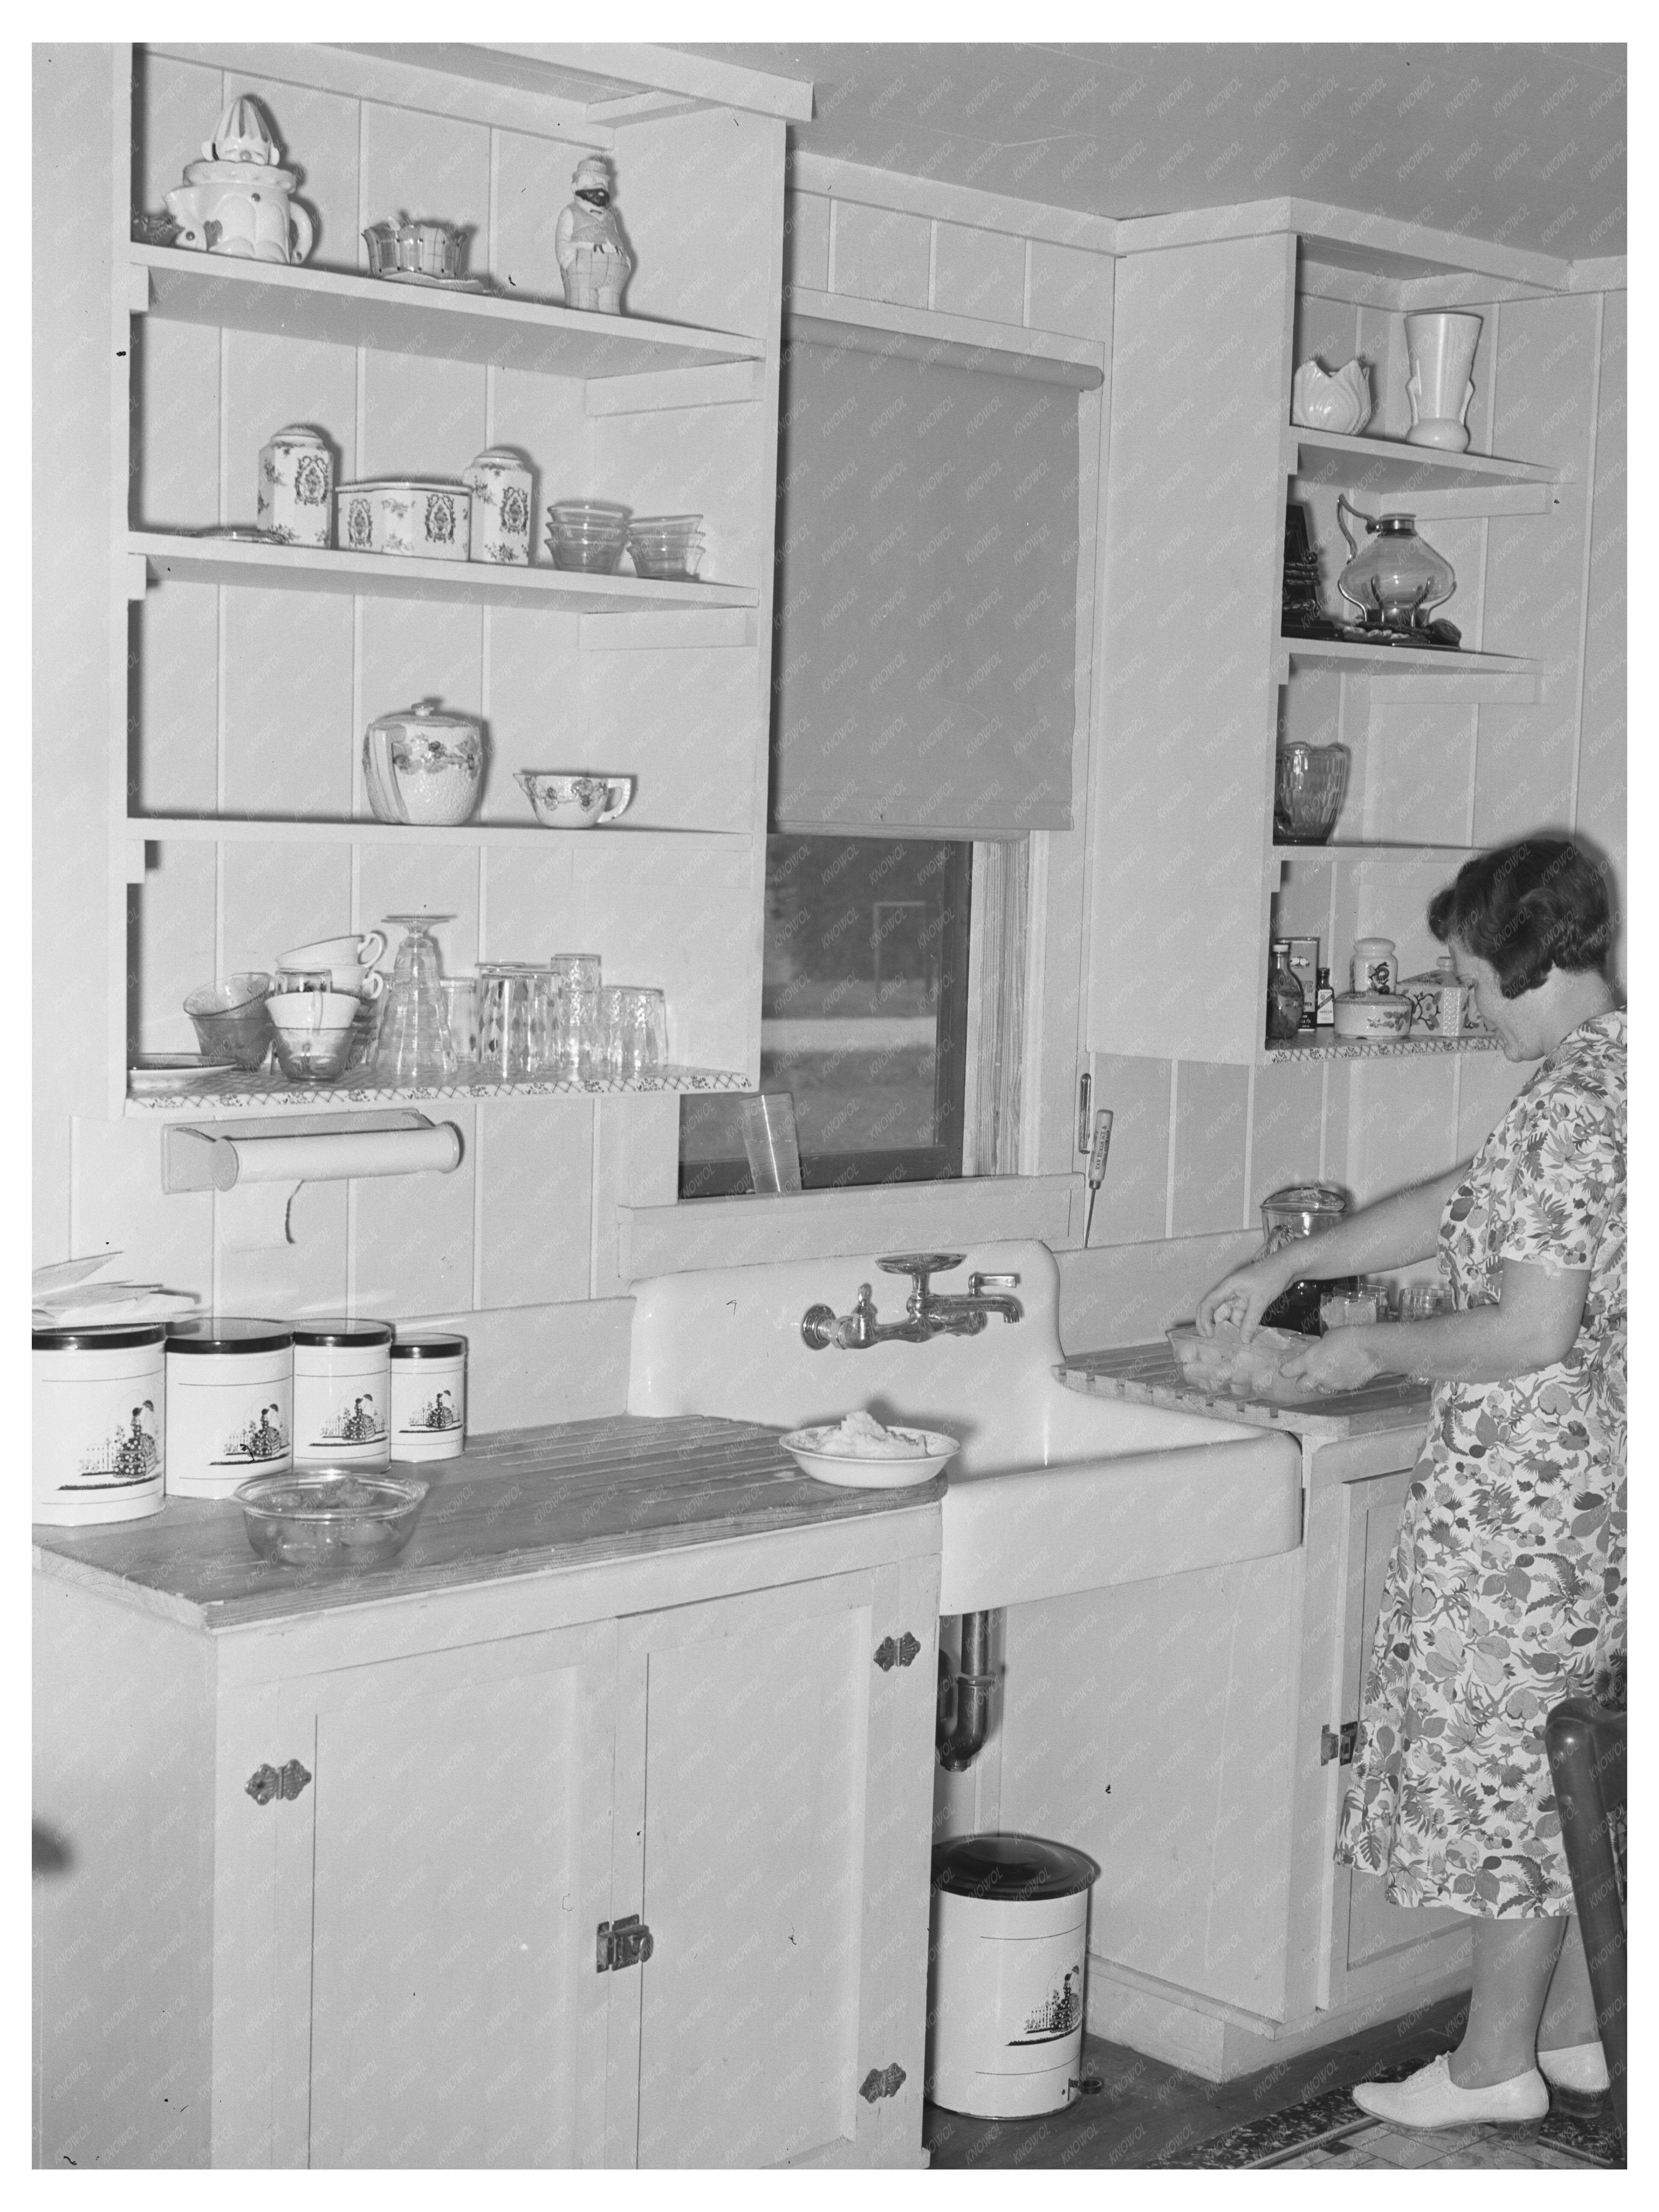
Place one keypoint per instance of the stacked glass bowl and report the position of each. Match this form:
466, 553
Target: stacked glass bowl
587, 533
665, 545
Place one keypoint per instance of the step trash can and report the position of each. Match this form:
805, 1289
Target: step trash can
1006, 1948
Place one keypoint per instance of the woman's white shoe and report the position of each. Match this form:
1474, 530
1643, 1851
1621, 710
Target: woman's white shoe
1431, 2099
1579, 2066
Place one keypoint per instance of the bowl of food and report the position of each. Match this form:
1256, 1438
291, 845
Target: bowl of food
1222, 1365
859, 1453
331, 1520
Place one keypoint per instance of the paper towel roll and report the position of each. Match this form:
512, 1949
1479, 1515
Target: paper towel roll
352, 1153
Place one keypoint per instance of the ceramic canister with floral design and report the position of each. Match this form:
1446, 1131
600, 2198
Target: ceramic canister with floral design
501, 485
296, 486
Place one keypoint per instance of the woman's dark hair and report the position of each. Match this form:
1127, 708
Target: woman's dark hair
1527, 908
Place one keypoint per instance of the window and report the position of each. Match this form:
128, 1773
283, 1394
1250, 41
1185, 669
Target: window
863, 1016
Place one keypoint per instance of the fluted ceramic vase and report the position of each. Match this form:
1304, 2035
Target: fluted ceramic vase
1440, 387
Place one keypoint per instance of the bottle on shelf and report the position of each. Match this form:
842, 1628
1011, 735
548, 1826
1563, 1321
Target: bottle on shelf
1284, 995
1324, 1001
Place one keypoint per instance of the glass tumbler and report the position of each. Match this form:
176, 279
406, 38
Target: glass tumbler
507, 1000
577, 1055
460, 994
633, 1031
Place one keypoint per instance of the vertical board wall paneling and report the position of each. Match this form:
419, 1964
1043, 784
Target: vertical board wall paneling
1599, 801
877, 253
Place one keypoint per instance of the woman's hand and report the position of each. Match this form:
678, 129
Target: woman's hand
1341, 1359
1243, 1297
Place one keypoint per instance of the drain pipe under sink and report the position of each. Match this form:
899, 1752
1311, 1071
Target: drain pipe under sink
959, 1747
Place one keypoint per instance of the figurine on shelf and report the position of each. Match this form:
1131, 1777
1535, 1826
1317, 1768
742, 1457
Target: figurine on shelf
592, 253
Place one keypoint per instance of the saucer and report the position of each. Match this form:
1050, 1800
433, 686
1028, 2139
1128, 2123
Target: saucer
177, 1074
435, 284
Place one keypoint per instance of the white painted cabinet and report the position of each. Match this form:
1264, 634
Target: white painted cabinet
332, 1889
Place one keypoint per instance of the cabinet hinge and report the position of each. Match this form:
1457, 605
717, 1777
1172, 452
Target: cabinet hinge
889, 1654
266, 1783
624, 1943
1338, 1743
881, 2082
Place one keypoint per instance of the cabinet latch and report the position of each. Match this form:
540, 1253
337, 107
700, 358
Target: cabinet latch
624, 1943
266, 1783
889, 1654
1339, 1743
881, 2082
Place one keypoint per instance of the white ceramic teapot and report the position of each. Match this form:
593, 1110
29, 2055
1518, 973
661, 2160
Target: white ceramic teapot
1339, 402
236, 200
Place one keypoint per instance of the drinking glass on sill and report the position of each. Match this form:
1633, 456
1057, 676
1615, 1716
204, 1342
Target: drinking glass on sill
576, 1052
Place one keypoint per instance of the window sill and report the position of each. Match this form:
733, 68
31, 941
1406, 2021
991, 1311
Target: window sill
825, 1225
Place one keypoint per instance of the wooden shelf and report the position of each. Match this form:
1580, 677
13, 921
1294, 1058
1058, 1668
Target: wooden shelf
1411, 1047
1387, 464
1403, 856
274, 1094
395, 576
332, 307
641, 842
1402, 660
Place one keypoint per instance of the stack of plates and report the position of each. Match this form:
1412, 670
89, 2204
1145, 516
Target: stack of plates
587, 533
666, 545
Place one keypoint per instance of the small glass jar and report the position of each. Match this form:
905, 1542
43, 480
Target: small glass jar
342, 1392
428, 1395
230, 1403
1284, 1000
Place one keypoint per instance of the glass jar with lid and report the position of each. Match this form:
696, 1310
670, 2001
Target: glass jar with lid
1303, 1210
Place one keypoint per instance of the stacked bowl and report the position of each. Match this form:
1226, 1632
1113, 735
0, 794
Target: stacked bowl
665, 545
588, 534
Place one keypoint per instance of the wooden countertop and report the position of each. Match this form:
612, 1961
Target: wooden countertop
522, 1502
1149, 1375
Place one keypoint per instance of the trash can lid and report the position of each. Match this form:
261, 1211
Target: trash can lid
1001, 1867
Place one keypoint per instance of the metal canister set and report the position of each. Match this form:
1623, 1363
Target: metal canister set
126, 1416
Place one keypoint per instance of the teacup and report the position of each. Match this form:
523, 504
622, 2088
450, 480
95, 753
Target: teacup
364, 983
574, 798
299, 1010
337, 953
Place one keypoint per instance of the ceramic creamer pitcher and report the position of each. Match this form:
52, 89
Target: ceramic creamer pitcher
236, 200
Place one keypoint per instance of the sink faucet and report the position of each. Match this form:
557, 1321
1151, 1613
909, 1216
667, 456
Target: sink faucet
927, 1313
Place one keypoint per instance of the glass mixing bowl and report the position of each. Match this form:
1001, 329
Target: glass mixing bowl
330, 1519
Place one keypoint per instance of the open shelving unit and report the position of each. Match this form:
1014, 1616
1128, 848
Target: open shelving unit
238, 821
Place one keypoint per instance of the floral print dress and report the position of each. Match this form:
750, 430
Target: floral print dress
1506, 1590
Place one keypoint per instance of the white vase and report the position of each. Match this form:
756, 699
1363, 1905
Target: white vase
1339, 401
1440, 387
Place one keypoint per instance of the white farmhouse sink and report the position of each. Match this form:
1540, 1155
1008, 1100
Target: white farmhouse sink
1052, 1492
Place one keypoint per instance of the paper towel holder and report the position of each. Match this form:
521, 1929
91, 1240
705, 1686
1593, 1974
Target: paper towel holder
195, 1159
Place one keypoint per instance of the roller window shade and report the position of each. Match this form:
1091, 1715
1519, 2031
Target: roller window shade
927, 603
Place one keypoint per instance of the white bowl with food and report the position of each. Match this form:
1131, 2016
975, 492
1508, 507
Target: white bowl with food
859, 1453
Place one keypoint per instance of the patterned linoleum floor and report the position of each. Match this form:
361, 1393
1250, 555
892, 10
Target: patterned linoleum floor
1295, 2114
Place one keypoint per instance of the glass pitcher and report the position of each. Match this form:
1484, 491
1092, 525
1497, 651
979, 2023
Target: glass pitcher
1399, 578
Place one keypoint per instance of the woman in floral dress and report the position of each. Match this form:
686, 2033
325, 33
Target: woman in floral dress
1506, 1591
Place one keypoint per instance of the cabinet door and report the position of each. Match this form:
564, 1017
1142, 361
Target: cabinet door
1156, 1735
1371, 1940
410, 1937
773, 1825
